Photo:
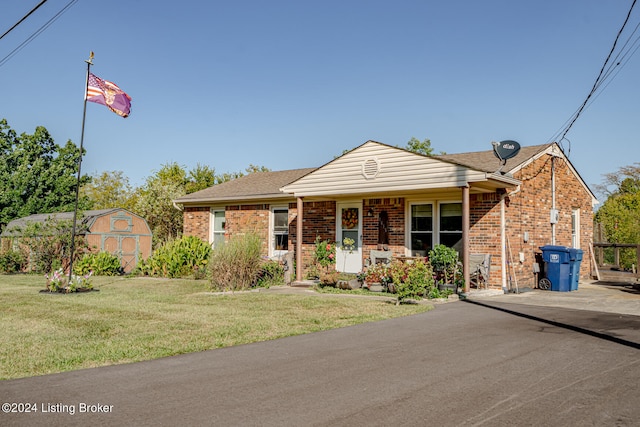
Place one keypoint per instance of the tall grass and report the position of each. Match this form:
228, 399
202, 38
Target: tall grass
236, 264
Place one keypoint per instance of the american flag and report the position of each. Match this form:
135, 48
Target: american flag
109, 94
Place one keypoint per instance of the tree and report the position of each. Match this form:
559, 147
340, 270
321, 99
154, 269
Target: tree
110, 189
228, 176
36, 174
154, 202
619, 215
614, 182
199, 178
420, 147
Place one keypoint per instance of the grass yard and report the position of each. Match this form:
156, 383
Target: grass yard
135, 319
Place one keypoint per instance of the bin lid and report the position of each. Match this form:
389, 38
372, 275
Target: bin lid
554, 248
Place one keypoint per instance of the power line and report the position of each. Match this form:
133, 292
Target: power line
23, 18
600, 79
37, 32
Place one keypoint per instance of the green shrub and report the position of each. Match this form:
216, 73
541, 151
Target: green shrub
49, 243
413, 280
324, 252
184, 257
12, 261
271, 274
236, 264
444, 261
101, 264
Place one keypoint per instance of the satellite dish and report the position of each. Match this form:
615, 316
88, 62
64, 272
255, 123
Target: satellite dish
505, 149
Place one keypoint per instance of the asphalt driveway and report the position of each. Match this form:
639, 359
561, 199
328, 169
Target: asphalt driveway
480, 362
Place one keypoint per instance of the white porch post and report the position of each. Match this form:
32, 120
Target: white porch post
299, 240
465, 237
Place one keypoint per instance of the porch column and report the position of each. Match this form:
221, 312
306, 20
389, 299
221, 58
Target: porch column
465, 237
299, 241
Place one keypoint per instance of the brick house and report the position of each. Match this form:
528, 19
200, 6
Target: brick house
388, 198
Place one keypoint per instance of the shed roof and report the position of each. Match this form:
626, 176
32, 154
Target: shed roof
86, 219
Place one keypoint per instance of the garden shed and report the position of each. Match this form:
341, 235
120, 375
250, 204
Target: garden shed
116, 230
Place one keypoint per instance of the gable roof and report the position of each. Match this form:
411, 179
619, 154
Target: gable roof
376, 168
526, 155
258, 185
399, 169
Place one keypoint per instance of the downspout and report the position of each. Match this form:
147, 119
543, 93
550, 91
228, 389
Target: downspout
503, 235
465, 238
503, 242
553, 199
299, 240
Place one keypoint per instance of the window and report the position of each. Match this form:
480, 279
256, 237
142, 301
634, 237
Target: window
434, 223
421, 229
451, 225
218, 228
280, 231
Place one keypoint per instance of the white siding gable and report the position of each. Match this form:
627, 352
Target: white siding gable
376, 167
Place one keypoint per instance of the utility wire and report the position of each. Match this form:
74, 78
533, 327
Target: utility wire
598, 81
37, 33
25, 17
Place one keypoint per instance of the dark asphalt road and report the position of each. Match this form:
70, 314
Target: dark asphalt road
463, 363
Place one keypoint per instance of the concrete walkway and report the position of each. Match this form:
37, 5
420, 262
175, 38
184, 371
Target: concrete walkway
599, 296
606, 297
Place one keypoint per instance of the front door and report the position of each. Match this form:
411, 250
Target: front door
349, 237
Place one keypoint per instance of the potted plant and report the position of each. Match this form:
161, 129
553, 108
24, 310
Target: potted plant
444, 261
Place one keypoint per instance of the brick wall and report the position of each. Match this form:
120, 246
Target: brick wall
528, 212
241, 219
196, 222
394, 207
319, 221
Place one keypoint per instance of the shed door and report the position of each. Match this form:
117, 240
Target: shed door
124, 247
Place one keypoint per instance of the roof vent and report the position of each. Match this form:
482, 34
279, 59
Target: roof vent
370, 168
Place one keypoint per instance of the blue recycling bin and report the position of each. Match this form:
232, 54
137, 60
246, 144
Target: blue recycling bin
575, 259
558, 263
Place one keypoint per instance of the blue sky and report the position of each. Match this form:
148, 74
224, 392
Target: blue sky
290, 84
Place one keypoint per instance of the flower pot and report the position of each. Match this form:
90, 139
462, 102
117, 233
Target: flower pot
375, 287
354, 284
445, 286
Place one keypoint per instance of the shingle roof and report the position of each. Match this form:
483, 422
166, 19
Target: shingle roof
488, 162
255, 185
262, 185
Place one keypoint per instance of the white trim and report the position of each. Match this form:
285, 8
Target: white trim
273, 252
212, 230
351, 263
435, 232
407, 221
575, 234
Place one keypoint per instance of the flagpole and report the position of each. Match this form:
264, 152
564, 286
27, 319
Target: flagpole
75, 209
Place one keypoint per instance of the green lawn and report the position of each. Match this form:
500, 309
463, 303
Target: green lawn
134, 319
